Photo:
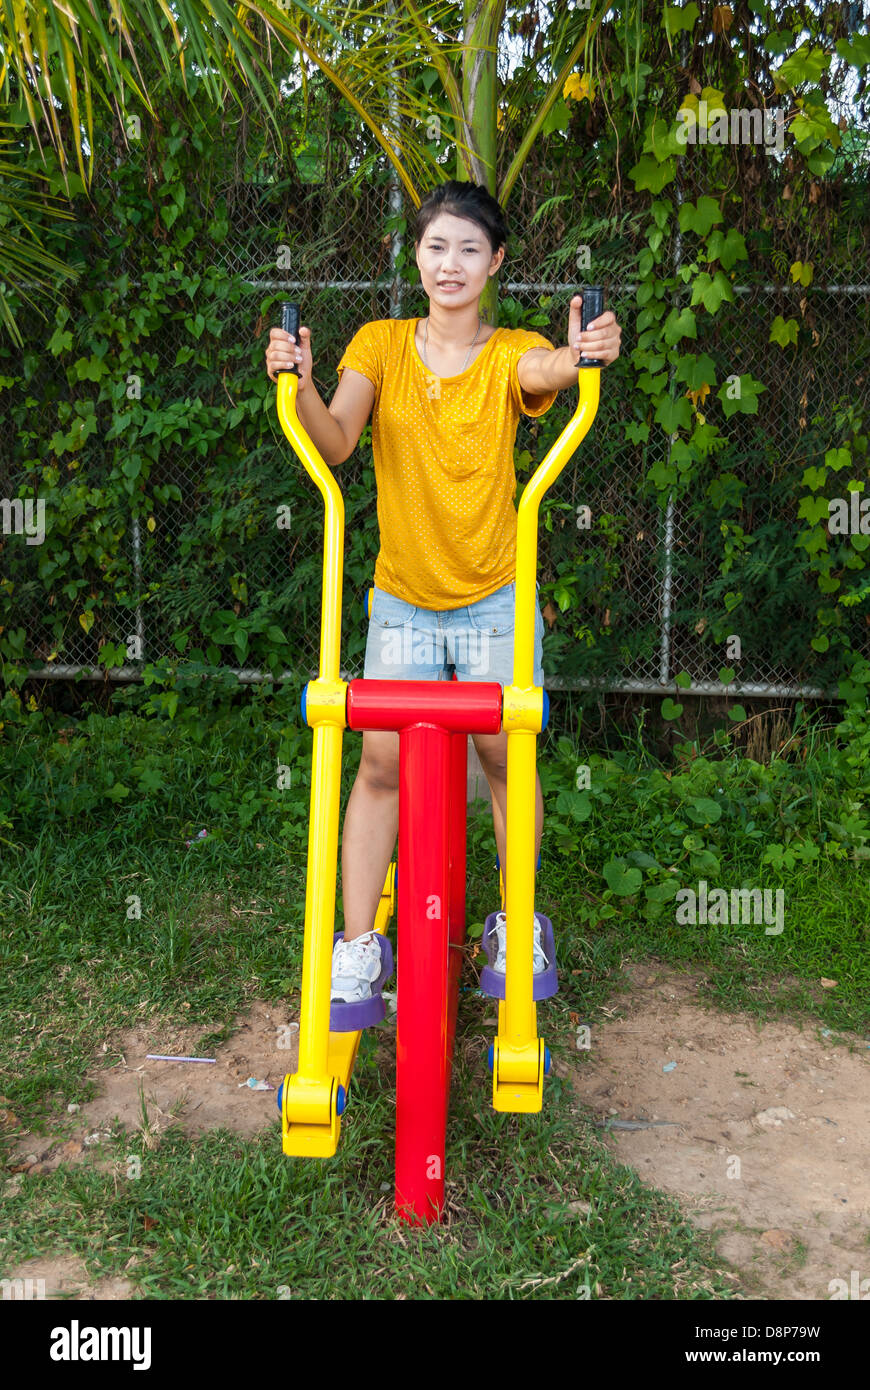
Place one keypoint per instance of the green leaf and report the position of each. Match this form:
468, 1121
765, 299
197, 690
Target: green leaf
671, 710
706, 863
703, 811
855, 50
557, 118
737, 714
641, 860
806, 65
676, 18
577, 805
744, 403
813, 509
652, 385
728, 247
664, 892
814, 478
820, 161
673, 415
696, 370
60, 341
649, 174
662, 475
783, 331
838, 458
812, 127
621, 879
778, 42
636, 432
679, 325
711, 291
89, 368
699, 217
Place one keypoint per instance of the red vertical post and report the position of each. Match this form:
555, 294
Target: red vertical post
422, 937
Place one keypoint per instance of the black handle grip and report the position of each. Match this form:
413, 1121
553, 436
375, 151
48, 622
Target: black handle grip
593, 307
290, 324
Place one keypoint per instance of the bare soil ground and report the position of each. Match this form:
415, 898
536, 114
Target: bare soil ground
770, 1129
764, 1144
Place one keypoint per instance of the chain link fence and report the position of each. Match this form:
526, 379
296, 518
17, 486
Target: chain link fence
649, 599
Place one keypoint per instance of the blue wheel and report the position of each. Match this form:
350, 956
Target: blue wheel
490, 1056
546, 713
340, 1101
547, 1060
280, 1098
302, 703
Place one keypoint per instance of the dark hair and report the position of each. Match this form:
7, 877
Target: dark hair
470, 200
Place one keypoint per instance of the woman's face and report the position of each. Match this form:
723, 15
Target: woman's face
456, 259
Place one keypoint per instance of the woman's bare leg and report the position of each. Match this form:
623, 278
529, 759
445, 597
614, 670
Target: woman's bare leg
371, 825
492, 751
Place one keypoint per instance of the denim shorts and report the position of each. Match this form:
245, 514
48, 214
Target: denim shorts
424, 644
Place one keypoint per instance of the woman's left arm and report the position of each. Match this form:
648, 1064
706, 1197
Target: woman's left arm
541, 371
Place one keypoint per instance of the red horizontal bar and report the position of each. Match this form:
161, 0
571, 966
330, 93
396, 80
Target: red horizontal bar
460, 707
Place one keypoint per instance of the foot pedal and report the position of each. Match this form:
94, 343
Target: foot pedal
350, 1018
492, 981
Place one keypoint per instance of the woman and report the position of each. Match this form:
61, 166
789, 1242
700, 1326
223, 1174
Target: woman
446, 394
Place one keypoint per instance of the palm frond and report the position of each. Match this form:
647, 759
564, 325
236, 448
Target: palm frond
24, 262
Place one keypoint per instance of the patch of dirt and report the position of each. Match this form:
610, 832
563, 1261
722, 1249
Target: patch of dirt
194, 1096
64, 1277
770, 1136
765, 1146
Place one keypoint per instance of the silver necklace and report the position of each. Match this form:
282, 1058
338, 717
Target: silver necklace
473, 341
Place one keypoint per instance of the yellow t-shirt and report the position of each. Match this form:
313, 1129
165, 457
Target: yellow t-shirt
444, 463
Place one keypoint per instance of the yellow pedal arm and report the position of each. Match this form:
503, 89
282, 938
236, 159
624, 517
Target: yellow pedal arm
518, 1053
302, 1137
309, 1096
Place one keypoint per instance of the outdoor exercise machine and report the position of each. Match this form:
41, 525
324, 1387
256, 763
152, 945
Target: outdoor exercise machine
433, 720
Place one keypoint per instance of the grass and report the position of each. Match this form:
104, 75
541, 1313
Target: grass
109, 919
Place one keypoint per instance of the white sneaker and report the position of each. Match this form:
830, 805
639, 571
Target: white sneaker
355, 966
539, 960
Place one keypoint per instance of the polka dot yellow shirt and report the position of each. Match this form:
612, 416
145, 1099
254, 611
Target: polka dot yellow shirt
444, 463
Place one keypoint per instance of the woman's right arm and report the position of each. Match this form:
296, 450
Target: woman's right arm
334, 429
